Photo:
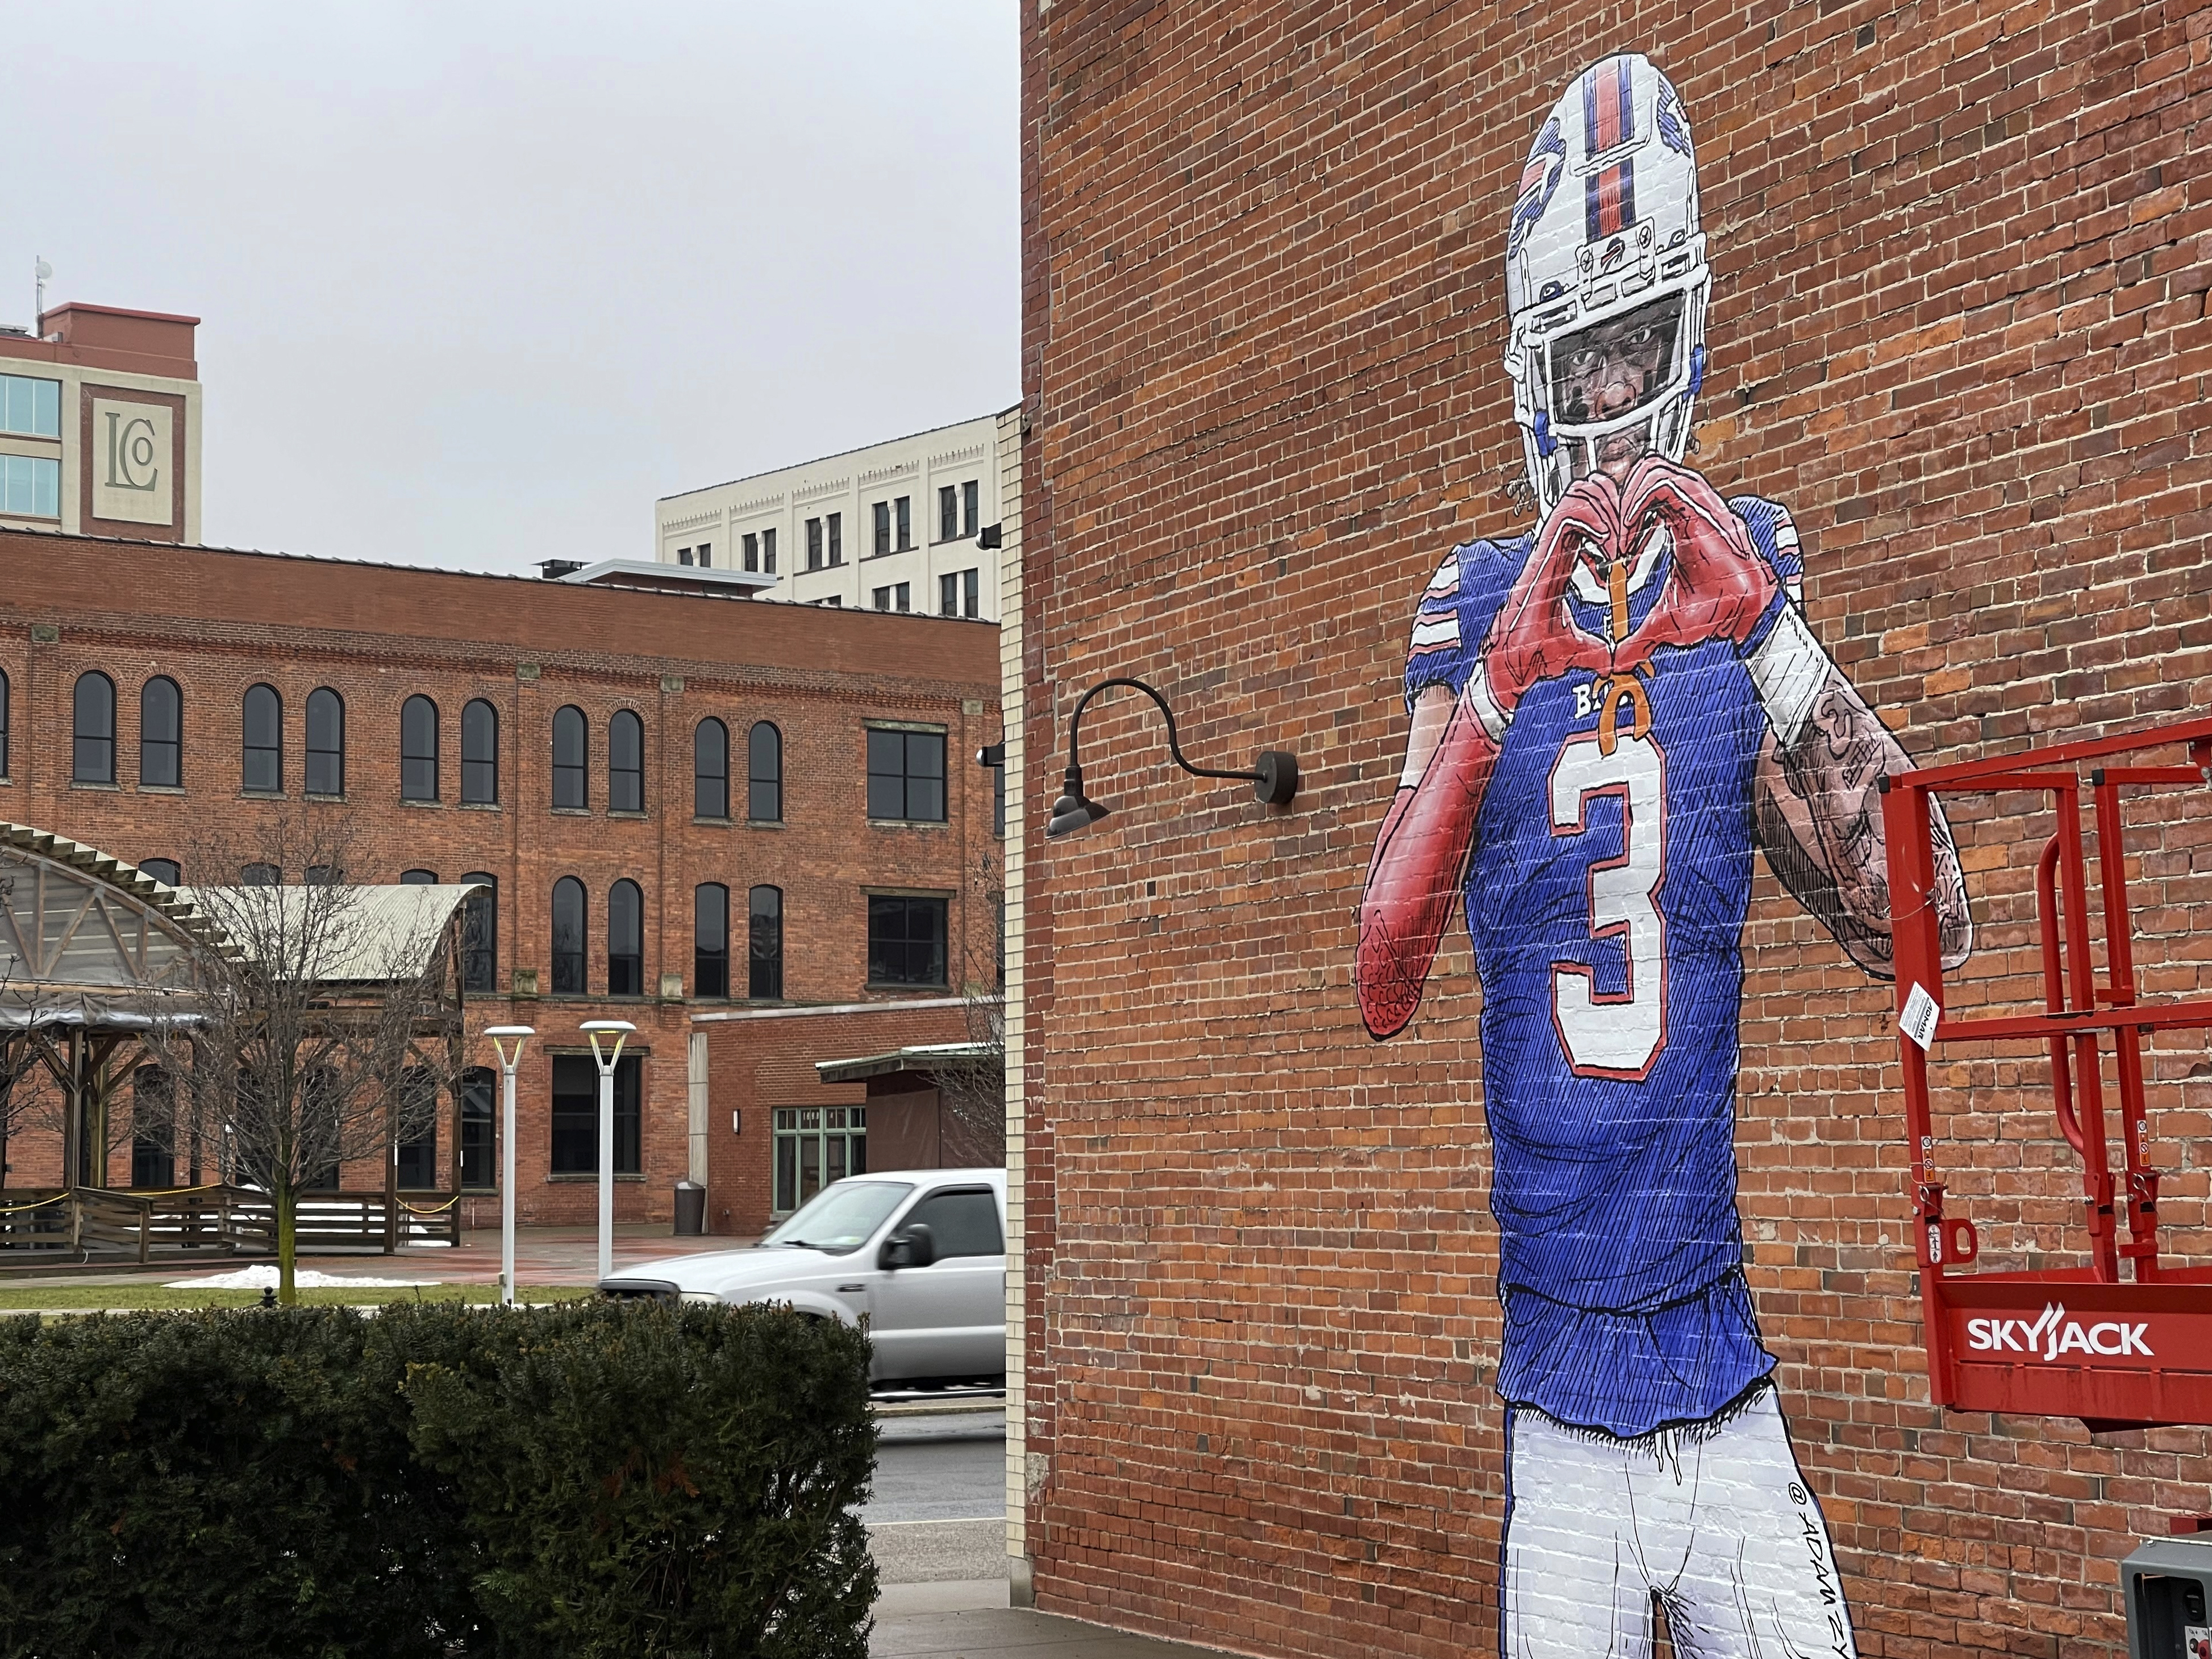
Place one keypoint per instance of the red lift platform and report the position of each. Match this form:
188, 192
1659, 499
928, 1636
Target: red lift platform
2117, 1352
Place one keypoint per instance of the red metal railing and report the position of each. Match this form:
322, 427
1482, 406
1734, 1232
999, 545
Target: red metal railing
2080, 1341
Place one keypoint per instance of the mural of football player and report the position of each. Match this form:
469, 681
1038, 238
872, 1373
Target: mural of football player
1608, 714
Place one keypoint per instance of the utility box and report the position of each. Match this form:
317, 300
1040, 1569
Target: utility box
2168, 1586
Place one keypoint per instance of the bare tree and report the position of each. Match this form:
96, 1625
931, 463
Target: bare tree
973, 1084
329, 1030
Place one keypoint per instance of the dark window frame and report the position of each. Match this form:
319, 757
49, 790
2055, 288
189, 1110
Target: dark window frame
710, 922
418, 763
480, 934
569, 967
756, 782
625, 771
906, 792
971, 506
479, 768
901, 955
271, 752
332, 757
625, 968
92, 751
155, 867
161, 758
479, 1129
710, 769
574, 773
574, 1119
948, 512
765, 943
3, 722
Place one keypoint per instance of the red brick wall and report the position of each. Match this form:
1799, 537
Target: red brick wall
1960, 260
217, 623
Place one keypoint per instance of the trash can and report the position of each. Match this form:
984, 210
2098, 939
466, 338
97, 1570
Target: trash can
691, 1209
2167, 1584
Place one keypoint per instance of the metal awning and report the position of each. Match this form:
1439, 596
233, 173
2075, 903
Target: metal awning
925, 1057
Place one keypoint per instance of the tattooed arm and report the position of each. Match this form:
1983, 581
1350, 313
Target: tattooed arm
1818, 804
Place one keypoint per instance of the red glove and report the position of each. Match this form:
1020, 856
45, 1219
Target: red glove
1718, 588
1420, 854
1534, 636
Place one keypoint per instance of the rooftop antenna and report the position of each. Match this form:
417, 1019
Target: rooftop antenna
40, 271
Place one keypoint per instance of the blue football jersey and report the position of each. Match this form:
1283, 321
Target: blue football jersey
1606, 892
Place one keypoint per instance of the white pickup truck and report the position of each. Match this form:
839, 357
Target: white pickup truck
918, 1253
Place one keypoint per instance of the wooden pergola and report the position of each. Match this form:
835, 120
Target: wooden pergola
93, 954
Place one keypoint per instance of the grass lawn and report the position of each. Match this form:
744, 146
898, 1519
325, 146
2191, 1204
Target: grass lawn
153, 1294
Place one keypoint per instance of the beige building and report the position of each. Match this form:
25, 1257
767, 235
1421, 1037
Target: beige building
100, 425
908, 525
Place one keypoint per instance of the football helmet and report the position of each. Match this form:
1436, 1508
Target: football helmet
1605, 262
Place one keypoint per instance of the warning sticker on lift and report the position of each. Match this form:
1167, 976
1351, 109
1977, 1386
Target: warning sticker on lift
1918, 1021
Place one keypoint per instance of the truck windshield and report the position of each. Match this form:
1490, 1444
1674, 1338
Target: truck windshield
840, 1218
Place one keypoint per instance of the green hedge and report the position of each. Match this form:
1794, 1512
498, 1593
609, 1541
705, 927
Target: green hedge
437, 1482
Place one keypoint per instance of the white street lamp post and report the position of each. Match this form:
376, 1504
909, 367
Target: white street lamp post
500, 1035
618, 1030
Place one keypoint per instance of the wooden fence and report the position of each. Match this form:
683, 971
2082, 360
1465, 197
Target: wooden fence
88, 1223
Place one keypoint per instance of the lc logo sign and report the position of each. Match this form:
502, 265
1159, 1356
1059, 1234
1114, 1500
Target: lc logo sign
132, 450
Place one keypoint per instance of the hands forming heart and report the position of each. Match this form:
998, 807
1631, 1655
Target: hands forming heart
1718, 587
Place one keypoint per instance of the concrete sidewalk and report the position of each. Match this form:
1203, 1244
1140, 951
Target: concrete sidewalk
968, 1618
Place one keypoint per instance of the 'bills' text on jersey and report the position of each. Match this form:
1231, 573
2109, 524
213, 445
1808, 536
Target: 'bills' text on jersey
1606, 892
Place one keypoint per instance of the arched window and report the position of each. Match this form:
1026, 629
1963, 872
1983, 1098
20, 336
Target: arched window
161, 733
569, 787
625, 763
480, 935
765, 943
479, 754
261, 875
325, 742
93, 757
262, 757
710, 940
3, 723
418, 749
164, 871
764, 774
418, 878
710, 769
569, 936
625, 940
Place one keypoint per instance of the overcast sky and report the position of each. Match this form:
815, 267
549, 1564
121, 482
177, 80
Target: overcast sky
478, 283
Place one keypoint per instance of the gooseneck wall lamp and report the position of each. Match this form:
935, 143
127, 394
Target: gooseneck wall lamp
1274, 776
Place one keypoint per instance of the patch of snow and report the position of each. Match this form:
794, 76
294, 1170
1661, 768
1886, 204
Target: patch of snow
263, 1277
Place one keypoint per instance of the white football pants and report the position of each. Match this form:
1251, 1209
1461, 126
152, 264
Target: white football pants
1713, 1519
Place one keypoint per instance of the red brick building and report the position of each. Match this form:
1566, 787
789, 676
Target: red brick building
1959, 256
682, 803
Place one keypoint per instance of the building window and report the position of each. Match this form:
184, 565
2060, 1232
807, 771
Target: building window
418, 878
814, 1146
948, 513
260, 875
906, 940
906, 775
3, 723
325, 742
625, 940
971, 506
767, 552
480, 934
164, 871
903, 508
682, 555
479, 1129
814, 543
883, 511
710, 940
836, 523
576, 1115
154, 1115
570, 788
569, 936
29, 408
883, 599
418, 749
751, 542
971, 592
948, 594
764, 774
93, 755
262, 760
894, 597
710, 769
479, 754
625, 763
161, 734
418, 1153
706, 555
764, 942
30, 487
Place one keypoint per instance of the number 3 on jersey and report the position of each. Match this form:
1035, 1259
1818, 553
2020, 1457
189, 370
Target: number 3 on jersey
1616, 1034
